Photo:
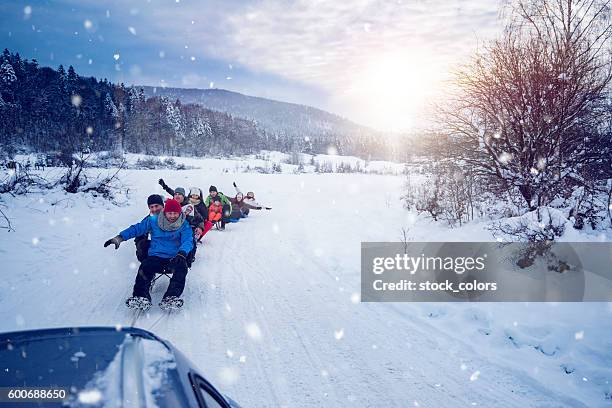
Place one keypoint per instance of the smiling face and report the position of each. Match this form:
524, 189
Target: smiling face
179, 197
213, 193
155, 209
171, 216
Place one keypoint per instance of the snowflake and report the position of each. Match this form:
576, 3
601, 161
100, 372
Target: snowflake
504, 158
90, 397
76, 100
253, 331
339, 334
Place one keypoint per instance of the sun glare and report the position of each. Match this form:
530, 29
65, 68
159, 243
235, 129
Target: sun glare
392, 90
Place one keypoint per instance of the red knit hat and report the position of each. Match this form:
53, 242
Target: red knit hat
172, 205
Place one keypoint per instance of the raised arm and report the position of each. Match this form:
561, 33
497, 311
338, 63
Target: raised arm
166, 188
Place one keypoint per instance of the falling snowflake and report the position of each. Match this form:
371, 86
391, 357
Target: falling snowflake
88, 24
132, 30
475, 375
76, 100
355, 298
116, 56
504, 157
332, 151
27, 11
253, 331
90, 397
339, 334
579, 335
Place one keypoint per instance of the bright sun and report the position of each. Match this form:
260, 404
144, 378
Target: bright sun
392, 89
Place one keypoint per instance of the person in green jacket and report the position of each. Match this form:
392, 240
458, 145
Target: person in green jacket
227, 205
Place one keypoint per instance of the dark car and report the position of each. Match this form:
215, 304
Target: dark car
100, 366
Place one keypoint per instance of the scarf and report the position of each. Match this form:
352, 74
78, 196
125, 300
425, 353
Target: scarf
194, 201
166, 225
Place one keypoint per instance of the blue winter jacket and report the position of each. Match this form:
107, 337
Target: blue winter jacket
164, 244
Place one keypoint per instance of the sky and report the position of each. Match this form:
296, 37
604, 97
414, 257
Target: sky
377, 63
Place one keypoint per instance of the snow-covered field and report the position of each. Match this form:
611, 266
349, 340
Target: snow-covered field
272, 313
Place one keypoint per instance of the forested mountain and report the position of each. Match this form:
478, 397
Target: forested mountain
43, 109
282, 118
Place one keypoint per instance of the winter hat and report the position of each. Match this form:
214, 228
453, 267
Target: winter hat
195, 191
172, 206
212, 188
179, 190
155, 199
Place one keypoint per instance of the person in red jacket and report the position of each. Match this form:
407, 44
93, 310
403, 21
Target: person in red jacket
215, 210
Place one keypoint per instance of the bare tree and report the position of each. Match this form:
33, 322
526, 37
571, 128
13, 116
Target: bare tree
529, 110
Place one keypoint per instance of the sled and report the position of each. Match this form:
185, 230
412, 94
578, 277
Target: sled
165, 272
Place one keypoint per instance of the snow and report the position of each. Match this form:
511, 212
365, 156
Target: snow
272, 311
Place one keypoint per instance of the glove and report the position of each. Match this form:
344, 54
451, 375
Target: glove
115, 240
161, 182
180, 259
234, 183
268, 208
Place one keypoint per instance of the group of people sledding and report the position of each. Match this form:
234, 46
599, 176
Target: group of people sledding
175, 226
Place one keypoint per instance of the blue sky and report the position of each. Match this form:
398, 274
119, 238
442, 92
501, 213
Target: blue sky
375, 62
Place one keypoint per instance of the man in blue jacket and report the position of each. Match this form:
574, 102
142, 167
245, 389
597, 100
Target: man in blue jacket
171, 241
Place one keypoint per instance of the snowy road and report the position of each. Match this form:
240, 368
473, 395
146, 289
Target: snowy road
272, 313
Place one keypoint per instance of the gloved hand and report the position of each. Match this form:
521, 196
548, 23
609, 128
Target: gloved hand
179, 260
234, 183
268, 208
161, 182
115, 240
